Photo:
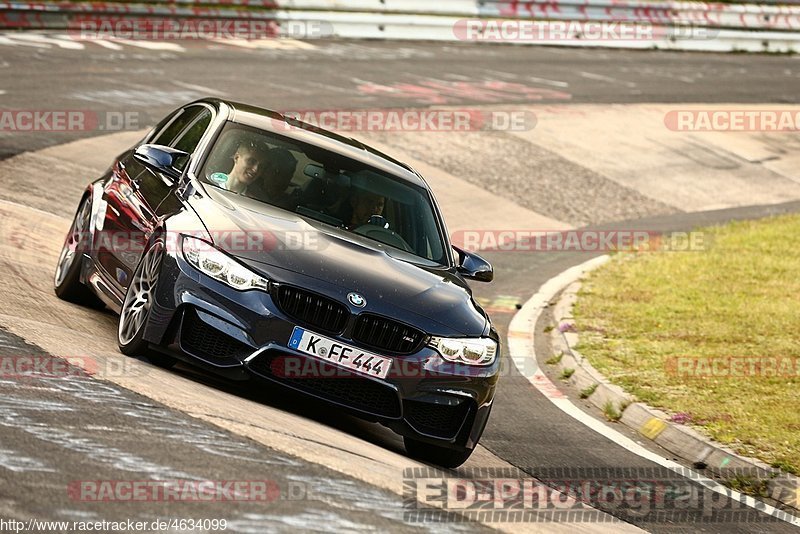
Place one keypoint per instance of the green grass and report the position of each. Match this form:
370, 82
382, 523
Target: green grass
611, 412
555, 359
749, 485
739, 298
567, 373
587, 391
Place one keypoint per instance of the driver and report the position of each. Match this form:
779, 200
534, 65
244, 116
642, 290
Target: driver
365, 204
277, 173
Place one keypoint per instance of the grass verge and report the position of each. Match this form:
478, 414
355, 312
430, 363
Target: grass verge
711, 335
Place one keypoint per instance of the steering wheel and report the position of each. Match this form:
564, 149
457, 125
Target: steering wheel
384, 235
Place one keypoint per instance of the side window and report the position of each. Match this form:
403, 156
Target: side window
178, 124
162, 124
190, 137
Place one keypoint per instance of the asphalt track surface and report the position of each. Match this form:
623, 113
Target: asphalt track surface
525, 429
152, 82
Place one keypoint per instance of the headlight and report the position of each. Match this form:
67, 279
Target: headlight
472, 351
219, 266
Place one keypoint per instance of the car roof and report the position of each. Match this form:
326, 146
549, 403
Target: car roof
273, 121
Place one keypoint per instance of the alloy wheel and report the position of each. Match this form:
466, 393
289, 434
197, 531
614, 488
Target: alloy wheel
72, 244
140, 295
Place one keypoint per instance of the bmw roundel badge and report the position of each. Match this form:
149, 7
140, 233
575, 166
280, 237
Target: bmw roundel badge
356, 300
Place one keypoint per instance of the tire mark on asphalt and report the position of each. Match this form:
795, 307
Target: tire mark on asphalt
54, 415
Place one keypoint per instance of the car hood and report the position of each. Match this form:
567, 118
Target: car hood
288, 248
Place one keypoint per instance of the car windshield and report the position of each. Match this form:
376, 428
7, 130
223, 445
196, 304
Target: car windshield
326, 187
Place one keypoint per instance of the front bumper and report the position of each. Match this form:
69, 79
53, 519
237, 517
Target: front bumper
244, 335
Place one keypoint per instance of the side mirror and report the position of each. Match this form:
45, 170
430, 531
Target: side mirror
473, 266
162, 159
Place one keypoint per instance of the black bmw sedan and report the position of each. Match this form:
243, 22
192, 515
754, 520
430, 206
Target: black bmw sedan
263, 248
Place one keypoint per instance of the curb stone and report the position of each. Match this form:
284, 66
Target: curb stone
651, 423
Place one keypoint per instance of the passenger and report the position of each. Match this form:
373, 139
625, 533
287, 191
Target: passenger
247, 162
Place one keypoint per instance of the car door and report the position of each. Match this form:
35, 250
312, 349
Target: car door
133, 194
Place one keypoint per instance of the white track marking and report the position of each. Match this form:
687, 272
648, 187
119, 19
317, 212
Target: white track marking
608, 79
200, 88
242, 43
273, 43
287, 44
4, 40
545, 81
70, 42
152, 45
520, 343
41, 39
107, 44
329, 88
500, 74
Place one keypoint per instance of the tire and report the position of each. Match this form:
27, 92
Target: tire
441, 456
67, 278
137, 305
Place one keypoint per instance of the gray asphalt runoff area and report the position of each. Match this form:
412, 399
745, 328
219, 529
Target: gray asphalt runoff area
61, 437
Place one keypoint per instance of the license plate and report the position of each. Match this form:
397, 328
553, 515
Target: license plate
339, 354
